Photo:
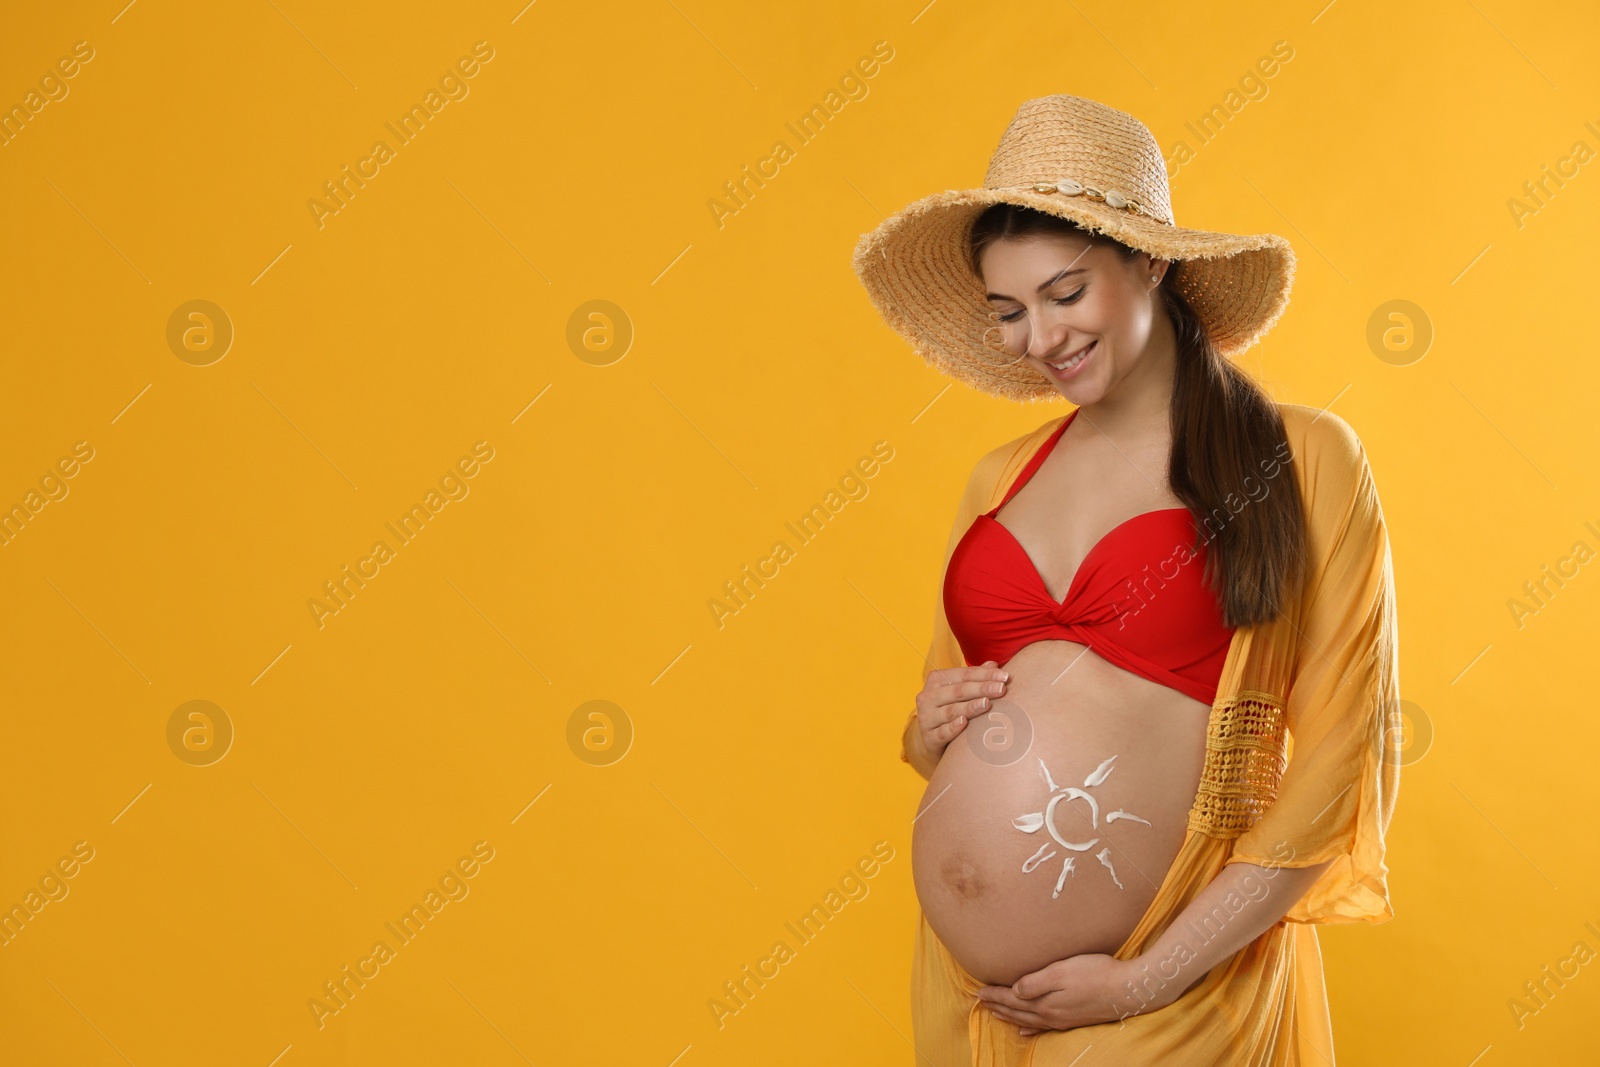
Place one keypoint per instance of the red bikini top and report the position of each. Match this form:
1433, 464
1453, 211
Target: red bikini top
1139, 599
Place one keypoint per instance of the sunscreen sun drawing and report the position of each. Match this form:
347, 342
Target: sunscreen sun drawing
1031, 822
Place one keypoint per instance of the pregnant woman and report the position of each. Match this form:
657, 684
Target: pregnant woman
1159, 706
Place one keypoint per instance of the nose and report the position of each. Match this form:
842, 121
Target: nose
1045, 334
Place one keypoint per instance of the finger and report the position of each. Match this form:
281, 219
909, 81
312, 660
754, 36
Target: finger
939, 737
947, 733
1020, 1018
946, 676
1030, 987
968, 709
934, 716
942, 702
968, 698
993, 686
1003, 996
974, 682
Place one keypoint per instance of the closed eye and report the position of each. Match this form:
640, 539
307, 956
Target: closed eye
1071, 298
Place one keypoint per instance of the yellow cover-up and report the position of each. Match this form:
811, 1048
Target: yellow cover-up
1300, 767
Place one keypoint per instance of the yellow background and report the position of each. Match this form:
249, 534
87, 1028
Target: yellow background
431, 312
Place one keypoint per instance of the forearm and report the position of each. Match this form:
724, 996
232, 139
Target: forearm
1238, 906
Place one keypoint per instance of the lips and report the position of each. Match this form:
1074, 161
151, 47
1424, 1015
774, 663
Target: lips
1066, 367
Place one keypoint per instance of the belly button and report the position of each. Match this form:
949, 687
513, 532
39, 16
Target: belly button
963, 876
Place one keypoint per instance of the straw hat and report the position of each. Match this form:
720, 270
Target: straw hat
1083, 161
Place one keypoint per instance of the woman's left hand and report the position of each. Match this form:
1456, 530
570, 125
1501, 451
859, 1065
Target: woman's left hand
1077, 991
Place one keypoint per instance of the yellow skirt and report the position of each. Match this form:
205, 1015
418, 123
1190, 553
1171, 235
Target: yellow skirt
1266, 1005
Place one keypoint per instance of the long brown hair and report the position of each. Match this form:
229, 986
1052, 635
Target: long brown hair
1230, 463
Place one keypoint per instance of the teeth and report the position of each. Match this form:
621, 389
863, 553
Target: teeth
1073, 362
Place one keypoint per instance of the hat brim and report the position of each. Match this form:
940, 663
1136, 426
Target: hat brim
916, 272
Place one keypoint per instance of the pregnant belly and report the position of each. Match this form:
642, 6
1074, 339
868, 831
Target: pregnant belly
1051, 821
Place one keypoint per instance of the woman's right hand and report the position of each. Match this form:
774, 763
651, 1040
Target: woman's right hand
949, 698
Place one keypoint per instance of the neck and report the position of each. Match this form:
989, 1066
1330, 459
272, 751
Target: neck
1141, 403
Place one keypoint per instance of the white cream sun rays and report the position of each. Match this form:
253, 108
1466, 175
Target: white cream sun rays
1031, 822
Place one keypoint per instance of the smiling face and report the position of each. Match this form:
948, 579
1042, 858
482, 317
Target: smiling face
1062, 298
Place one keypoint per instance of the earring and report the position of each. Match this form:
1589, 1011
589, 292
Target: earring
1155, 279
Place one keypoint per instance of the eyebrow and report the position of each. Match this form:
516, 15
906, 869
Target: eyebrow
1047, 283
